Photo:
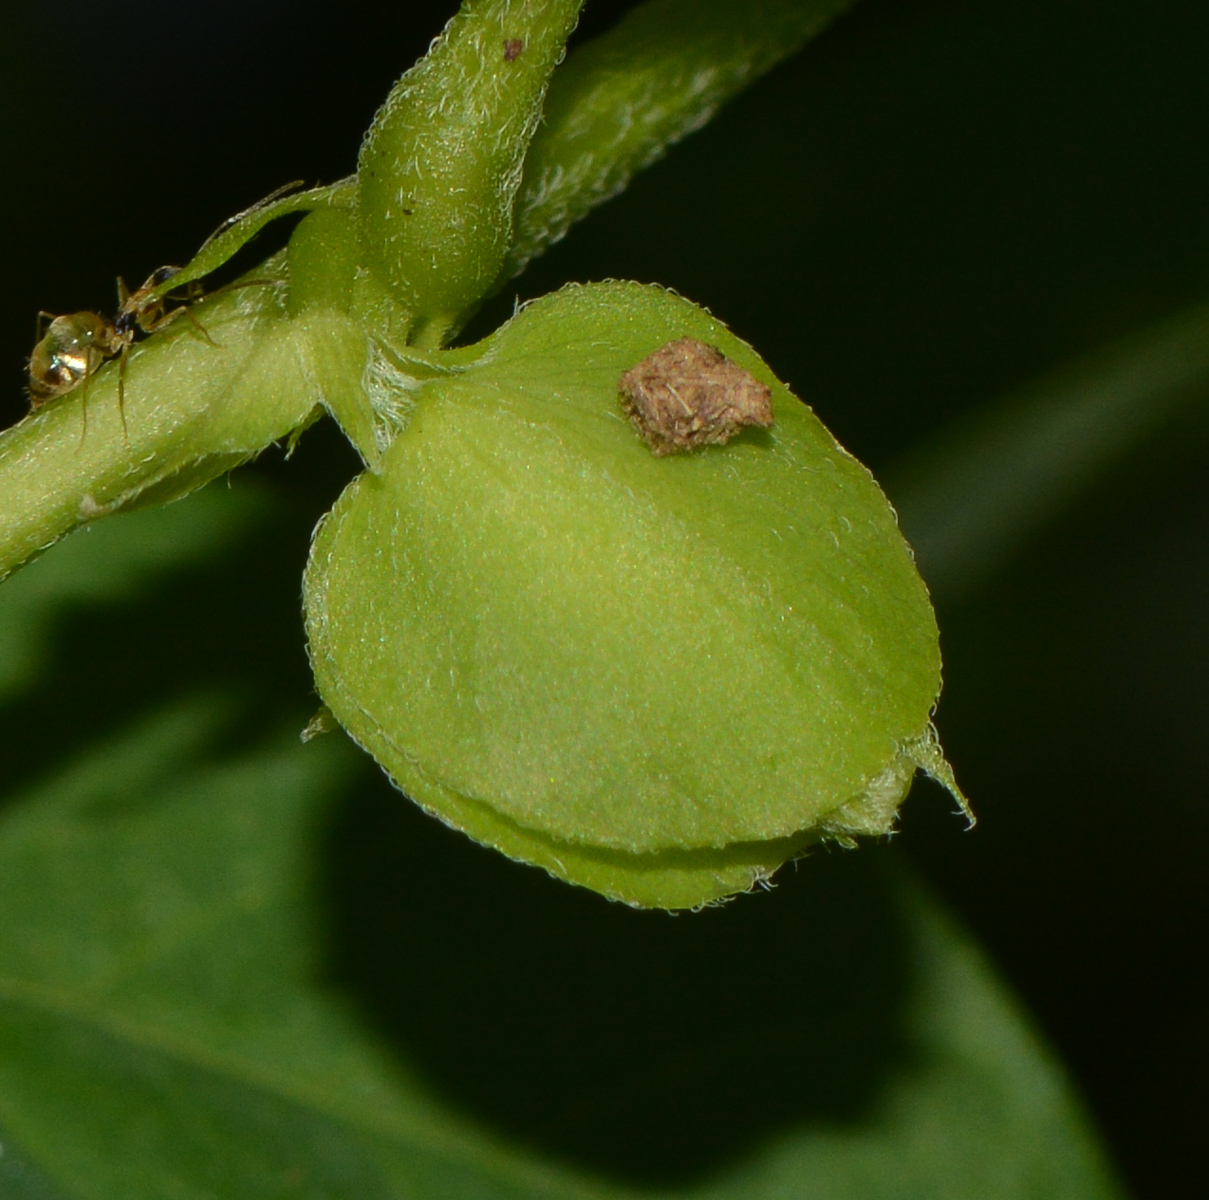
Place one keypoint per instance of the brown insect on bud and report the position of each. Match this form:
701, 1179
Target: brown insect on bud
689, 394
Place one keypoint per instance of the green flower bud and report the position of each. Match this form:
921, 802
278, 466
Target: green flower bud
657, 676
442, 162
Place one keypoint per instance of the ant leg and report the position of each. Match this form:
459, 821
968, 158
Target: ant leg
234, 287
84, 412
122, 393
39, 328
168, 317
197, 325
192, 295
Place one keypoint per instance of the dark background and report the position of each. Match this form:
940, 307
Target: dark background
935, 202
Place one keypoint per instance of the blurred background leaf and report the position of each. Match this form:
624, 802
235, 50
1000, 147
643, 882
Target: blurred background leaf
932, 207
232, 964
970, 497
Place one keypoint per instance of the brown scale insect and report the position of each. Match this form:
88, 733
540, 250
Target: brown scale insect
688, 394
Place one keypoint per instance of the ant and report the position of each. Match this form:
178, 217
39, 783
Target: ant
73, 347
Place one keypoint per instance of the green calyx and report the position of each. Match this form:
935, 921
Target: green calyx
657, 677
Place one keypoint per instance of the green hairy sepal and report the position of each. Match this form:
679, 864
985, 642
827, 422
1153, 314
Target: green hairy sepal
656, 677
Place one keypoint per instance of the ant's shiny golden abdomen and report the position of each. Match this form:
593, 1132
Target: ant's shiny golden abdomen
73, 347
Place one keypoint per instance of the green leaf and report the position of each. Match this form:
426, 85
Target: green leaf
237, 231
153, 1033
20, 1180
109, 562
971, 495
549, 635
250, 971
164, 1027
622, 99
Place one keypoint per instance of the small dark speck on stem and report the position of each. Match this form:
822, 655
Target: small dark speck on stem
512, 49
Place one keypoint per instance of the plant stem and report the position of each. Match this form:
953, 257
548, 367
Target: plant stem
193, 410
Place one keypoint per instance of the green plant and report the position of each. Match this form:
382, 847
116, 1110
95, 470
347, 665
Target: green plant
201, 413
660, 679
